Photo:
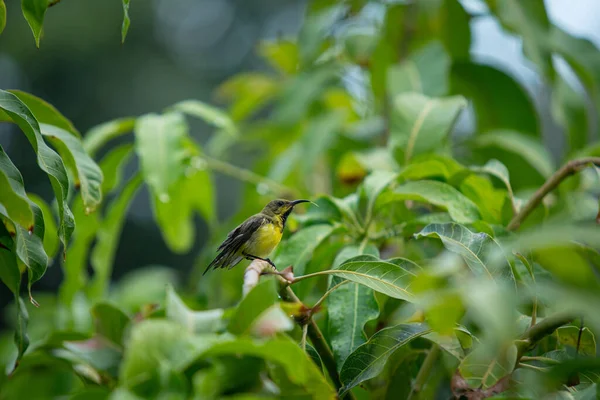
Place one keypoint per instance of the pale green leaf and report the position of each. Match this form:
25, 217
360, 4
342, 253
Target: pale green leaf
159, 141
420, 124
101, 134
126, 20
2, 16
569, 110
483, 368
257, 301
110, 322
207, 321
12, 193
48, 160
209, 114
349, 308
87, 174
34, 11
495, 168
368, 360
474, 248
281, 54
569, 335
460, 208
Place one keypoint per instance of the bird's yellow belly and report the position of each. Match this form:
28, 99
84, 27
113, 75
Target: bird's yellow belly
263, 242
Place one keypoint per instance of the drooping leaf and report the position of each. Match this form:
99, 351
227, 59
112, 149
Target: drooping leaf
34, 11
529, 20
101, 134
484, 368
48, 160
520, 154
368, 360
9, 270
349, 308
207, 321
12, 193
257, 301
420, 124
391, 277
109, 231
495, 168
87, 174
299, 368
126, 20
569, 335
50, 239
110, 322
209, 114
2, 16
475, 249
21, 338
460, 208
161, 148
569, 110
499, 101
44, 112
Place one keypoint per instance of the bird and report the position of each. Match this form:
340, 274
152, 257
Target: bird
256, 237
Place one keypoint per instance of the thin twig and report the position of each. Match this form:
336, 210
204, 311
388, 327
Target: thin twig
53, 3
303, 342
533, 367
565, 171
545, 360
327, 293
424, 371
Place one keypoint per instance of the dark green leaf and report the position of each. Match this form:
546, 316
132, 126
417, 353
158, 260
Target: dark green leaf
455, 30
499, 101
9, 269
368, 360
569, 110
44, 112
2, 16
21, 338
48, 160
207, 321
126, 20
99, 135
460, 208
13, 198
87, 174
256, 302
475, 249
34, 11
420, 124
349, 308
110, 322
299, 368
50, 240
109, 231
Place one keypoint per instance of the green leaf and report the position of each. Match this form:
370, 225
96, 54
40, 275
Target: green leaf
281, 54
48, 160
499, 101
349, 308
299, 368
299, 248
460, 208
495, 168
156, 347
209, 114
390, 277
87, 174
9, 269
50, 239
110, 322
569, 335
569, 264
34, 11
101, 134
44, 112
474, 248
126, 20
12, 193
108, 235
249, 93
372, 186
420, 124
368, 360
194, 321
483, 368
519, 153
21, 338
569, 110
2, 16
455, 30
529, 20
159, 141
256, 302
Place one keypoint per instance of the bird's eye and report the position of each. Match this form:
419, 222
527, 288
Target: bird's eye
279, 203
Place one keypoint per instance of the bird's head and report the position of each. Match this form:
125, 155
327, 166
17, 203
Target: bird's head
282, 208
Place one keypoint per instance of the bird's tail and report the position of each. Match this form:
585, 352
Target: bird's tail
225, 259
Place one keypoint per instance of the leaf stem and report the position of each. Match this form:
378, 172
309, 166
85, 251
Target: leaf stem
307, 276
303, 342
424, 371
545, 360
245, 175
327, 293
533, 367
565, 171
540, 330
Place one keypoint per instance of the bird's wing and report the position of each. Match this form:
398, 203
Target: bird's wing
229, 255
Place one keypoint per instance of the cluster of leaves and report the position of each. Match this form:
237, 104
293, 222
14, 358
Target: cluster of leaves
420, 283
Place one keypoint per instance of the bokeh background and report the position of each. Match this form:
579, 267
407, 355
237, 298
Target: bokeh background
180, 49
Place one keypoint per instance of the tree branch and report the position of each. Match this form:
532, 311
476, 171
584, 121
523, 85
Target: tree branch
567, 170
540, 330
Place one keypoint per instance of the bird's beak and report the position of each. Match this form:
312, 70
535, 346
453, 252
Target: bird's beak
293, 203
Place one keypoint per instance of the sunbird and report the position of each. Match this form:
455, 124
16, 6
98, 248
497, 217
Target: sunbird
256, 237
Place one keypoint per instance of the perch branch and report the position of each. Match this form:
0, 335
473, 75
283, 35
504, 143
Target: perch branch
565, 171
